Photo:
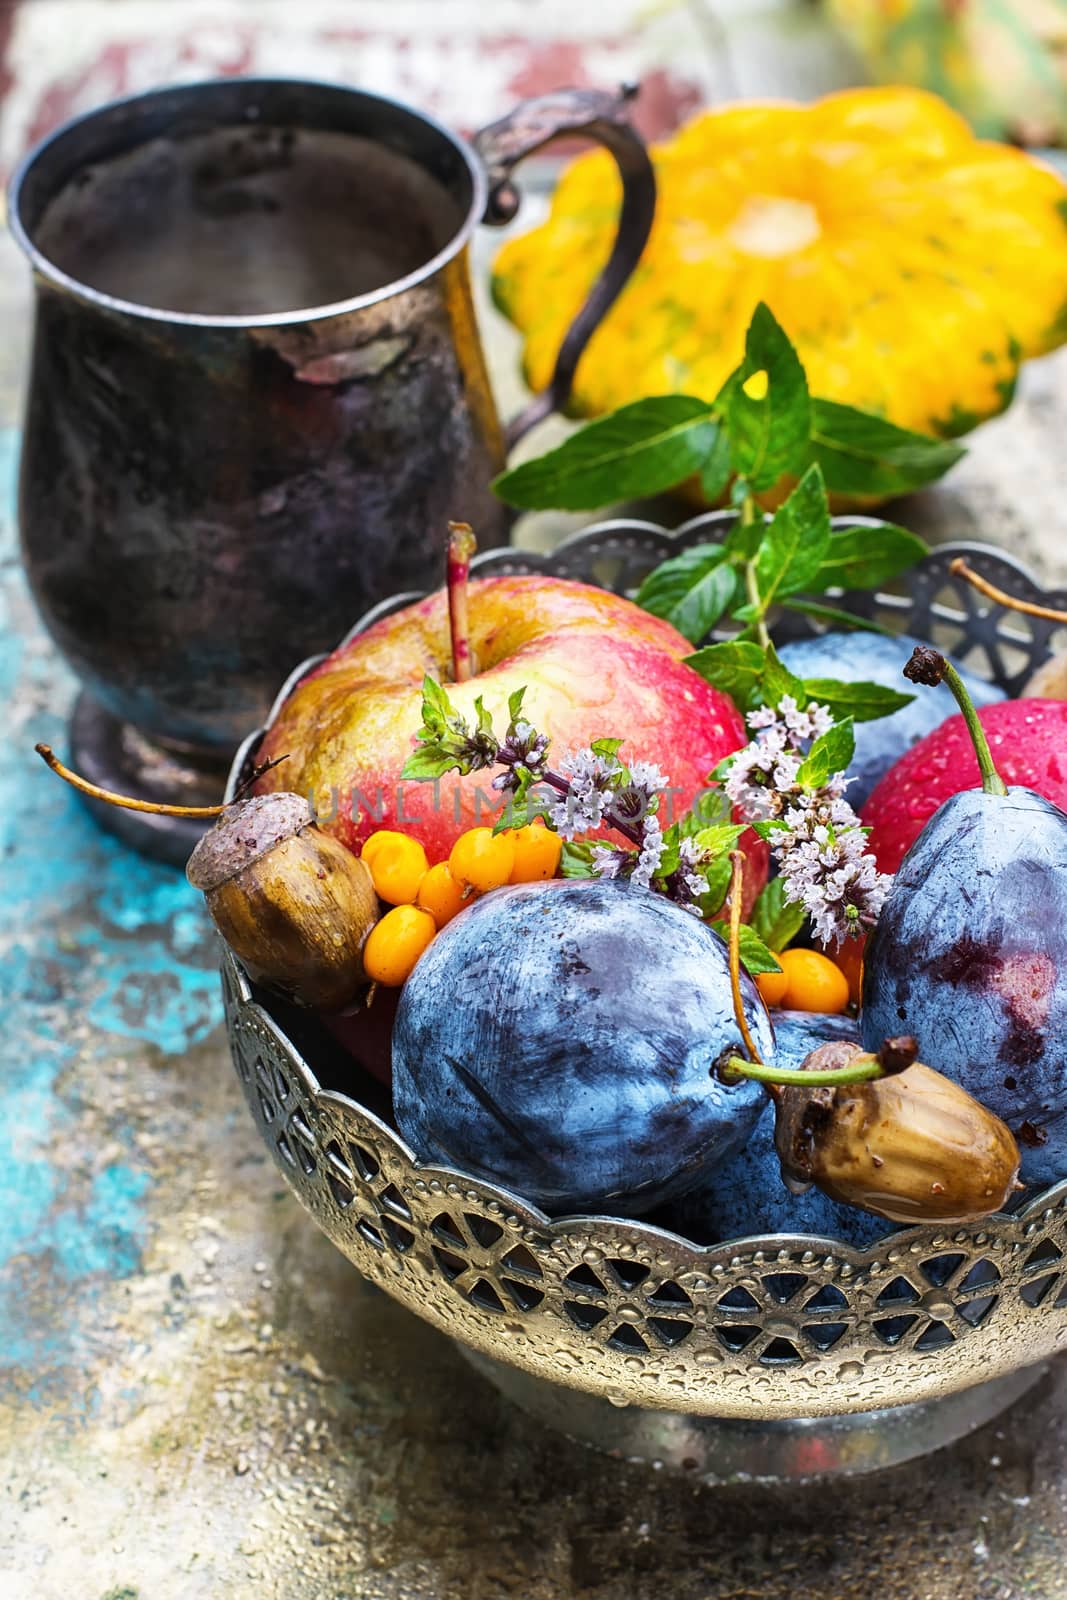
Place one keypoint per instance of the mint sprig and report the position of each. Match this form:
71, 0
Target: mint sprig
763, 426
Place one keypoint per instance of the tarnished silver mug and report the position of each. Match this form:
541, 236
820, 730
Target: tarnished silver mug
258, 392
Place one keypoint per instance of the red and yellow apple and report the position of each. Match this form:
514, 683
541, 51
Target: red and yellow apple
593, 666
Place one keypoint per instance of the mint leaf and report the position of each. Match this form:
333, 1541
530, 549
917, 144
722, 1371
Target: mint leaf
734, 668
862, 558
607, 747
844, 619
774, 918
862, 454
577, 859
831, 752
437, 708
863, 702
426, 763
718, 839
716, 472
690, 590
753, 952
769, 437
515, 704
795, 546
718, 874
778, 681
634, 452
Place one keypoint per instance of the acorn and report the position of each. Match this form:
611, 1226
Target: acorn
293, 904
911, 1146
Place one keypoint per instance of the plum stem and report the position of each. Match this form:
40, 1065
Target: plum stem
960, 569
862, 1069
929, 666
126, 802
737, 884
461, 547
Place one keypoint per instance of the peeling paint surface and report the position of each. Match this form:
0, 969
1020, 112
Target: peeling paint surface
199, 1398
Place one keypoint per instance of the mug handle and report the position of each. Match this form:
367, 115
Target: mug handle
502, 145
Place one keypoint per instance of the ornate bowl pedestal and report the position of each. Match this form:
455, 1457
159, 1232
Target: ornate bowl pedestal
779, 1358
724, 1450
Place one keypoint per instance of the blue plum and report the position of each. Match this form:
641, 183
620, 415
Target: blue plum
797, 1033
558, 1038
876, 658
970, 956
748, 1197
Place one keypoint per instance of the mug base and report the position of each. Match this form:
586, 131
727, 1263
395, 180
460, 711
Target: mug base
114, 755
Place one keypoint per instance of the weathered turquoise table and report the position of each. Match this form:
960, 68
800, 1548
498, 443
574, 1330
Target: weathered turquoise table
200, 1398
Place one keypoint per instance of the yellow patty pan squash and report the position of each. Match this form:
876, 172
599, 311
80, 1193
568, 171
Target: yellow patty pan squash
1003, 63
913, 266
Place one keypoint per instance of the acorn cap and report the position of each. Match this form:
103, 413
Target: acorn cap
246, 830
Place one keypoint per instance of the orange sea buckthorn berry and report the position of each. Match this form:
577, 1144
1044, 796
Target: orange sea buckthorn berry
772, 986
397, 867
395, 944
440, 894
537, 853
813, 983
374, 842
483, 859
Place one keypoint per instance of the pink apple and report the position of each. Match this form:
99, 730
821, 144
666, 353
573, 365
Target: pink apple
593, 666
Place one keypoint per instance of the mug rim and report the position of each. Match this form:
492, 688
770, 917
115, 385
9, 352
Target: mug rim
274, 319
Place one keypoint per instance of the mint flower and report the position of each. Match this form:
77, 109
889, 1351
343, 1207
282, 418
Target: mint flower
815, 836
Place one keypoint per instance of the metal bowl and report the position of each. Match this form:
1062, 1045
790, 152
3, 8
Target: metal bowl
761, 1329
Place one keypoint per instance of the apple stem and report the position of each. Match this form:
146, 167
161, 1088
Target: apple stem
737, 885
960, 569
461, 547
157, 807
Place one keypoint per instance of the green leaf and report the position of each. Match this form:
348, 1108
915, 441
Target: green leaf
607, 747
718, 874
485, 721
720, 838
863, 702
769, 437
716, 472
577, 859
690, 590
734, 668
844, 619
862, 558
775, 919
515, 704
437, 708
862, 454
831, 752
796, 544
634, 452
751, 948
426, 763
778, 681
